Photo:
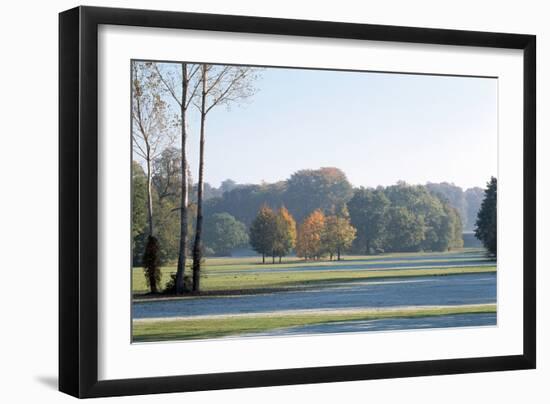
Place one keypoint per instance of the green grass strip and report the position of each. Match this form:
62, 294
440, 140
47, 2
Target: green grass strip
275, 280
222, 326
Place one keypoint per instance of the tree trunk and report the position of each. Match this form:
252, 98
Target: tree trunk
367, 247
338, 251
149, 196
280, 259
180, 274
330, 257
197, 247
263, 258
273, 258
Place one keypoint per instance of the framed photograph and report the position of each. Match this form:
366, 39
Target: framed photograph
251, 201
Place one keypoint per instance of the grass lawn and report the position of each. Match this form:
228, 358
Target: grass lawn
278, 280
227, 325
245, 274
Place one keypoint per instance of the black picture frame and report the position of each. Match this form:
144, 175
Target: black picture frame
78, 201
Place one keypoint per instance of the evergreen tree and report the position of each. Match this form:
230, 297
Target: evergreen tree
486, 225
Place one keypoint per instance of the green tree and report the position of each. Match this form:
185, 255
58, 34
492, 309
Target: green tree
367, 209
486, 225
263, 232
324, 188
405, 230
457, 241
285, 236
139, 212
222, 233
166, 221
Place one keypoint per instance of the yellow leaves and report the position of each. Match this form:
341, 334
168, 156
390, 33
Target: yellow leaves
308, 244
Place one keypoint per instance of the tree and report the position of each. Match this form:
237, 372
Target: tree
182, 88
263, 231
367, 210
219, 85
167, 174
473, 197
310, 232
150, 134
405, 230
222, 233
324, 188
338, 234
139, 212
227, 185
452, 194
457, 240
486, 224
285, 233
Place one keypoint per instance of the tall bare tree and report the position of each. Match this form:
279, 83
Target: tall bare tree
150, 134
220, 85
182, 88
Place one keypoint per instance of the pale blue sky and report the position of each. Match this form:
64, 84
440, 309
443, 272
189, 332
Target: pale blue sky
377, 127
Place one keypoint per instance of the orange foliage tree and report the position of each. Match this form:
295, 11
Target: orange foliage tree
285, 233
310, 232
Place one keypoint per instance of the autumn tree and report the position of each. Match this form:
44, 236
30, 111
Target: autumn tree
285, 233
150, 135
486, 225
338, 234
263, 232
219, 85
310, 232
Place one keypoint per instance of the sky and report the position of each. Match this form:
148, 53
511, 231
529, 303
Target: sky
378, 128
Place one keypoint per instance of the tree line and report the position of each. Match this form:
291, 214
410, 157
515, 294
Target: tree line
276, 234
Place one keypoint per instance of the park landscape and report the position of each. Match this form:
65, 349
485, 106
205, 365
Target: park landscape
290, 229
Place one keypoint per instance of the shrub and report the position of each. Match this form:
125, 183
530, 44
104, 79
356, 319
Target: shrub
151, 263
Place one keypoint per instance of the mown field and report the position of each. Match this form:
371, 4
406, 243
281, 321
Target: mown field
246, 274
222, 326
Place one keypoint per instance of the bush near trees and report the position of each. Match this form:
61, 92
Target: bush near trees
151, 263
486, 225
